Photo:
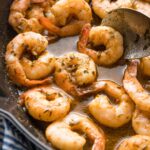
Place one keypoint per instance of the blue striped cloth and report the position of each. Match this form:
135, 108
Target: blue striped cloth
12, 139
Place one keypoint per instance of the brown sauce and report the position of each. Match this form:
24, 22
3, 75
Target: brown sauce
115, 73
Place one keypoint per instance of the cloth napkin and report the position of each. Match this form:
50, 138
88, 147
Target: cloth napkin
12, 139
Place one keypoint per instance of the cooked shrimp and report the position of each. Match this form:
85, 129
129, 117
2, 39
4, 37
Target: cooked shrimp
35, 12
137, 142
74, 70
62, 134
39, 68
46, 103
17, 17
142, 6
141, 122
145, 66
24, 16
35, 44
134, 89
70, 16
101, 35
103, 7
147, 0
106, 112
38, 1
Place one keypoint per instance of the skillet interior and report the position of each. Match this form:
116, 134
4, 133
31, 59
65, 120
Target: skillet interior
15, 113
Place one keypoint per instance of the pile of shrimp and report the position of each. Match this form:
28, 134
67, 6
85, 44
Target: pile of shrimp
55, 84
102, 7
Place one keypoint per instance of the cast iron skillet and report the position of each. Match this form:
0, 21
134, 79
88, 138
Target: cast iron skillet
8, 101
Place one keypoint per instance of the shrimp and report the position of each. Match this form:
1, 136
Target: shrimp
134, 89
105, 36
17, 17
141, 122
62, 134
35, 44
103, 7
24, 15
40, 68
38, 1
46, 103
145, 66
74, 70
147, 0
142, 6
107, 113
70, 16
136, 142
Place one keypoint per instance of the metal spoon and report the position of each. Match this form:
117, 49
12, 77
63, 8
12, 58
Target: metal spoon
135, 28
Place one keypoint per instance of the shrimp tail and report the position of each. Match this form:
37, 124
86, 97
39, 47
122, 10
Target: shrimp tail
83, 39
47, 24
38, 1
99, 144
31, 83
21, 101
99, 141
132, 68
94, 88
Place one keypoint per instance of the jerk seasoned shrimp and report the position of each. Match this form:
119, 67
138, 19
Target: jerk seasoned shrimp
40, 68
103, 7
137, 142
62, 134
134, 89
106, 112
74, 70
145, 66
46, 103
141, 122
97, 36
69, 15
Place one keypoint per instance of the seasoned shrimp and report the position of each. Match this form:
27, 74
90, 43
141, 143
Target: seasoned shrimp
73, 70
17, 17
103, 7
145, 66
137, 142
147, 0
24, 16
134, 89
46, 103
38, 1
39, 68
142, 6
63, 136
35, 44
97, 36
107, 113
70, 16
141, 122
